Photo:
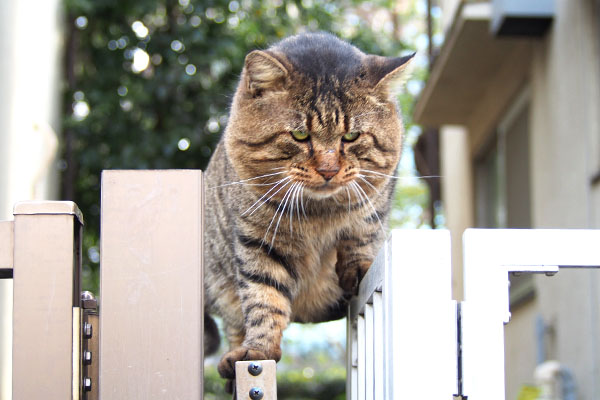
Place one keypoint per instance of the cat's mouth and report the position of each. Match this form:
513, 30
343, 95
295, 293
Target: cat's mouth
327, 189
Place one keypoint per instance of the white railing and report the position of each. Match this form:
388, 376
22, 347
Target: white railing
402, 324
408, 340
489, 256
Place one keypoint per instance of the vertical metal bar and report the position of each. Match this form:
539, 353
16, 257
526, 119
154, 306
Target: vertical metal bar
354, 361
151, 313
378, 360
362, 377
90, 346
388, 319
351, 357
369, 348
6, 307
46, 299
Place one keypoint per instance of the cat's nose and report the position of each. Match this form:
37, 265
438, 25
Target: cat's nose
328, 164
328, 173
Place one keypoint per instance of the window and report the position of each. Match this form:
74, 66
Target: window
502, 183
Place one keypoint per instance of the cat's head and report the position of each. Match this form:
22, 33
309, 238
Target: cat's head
316, 112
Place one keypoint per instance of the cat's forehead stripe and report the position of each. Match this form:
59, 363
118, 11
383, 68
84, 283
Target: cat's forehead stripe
320, 55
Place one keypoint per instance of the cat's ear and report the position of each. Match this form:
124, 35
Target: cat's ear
264, 71
387, 73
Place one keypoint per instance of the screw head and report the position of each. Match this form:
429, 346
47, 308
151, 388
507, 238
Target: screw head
87, 357
256, 393
87, 330
255, 368
87, 384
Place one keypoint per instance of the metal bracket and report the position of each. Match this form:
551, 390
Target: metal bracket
255, 380
89, 347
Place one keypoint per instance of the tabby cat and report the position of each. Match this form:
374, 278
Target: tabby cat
298, 190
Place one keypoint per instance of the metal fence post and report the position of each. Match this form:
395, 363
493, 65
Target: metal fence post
46, 309
151, 313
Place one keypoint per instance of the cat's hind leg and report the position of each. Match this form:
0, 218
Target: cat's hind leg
212, 339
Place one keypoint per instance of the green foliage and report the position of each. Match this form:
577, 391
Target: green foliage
171, 113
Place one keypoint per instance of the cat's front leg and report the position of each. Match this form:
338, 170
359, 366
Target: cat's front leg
355, 254
266, 283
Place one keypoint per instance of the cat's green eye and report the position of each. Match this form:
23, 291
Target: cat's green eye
299, 135
351, 136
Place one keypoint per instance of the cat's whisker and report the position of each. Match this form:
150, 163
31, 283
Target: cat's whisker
382, 175
285, 200
294, 204
349, 200
275, 216
243, 181
266, 194
302, 203
357, 193
291, 210
298, 195
372, 207
334, 197
362, 178
287, 180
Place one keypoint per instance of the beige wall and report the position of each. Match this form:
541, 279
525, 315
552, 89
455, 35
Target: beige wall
564, 120
565, 117
520, 348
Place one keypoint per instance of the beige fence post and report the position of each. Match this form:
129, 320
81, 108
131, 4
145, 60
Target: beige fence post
151, 317
46, 313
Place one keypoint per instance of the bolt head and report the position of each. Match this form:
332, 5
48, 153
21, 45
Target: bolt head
87, 330
256, 393
255, 368
87, 357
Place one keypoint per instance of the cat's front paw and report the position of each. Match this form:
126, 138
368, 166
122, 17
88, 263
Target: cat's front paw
226, 366
351, 276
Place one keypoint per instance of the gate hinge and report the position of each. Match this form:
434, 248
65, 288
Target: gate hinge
89, 347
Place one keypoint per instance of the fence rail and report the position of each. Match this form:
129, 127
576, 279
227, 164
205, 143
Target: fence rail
405, 333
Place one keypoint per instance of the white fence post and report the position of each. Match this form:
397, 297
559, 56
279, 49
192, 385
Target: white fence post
406, 316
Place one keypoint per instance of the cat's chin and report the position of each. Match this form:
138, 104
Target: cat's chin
323, 192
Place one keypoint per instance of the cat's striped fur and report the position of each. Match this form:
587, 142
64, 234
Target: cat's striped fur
298, 189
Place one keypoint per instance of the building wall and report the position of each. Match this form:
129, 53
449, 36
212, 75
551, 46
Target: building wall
520, 348
565, 116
